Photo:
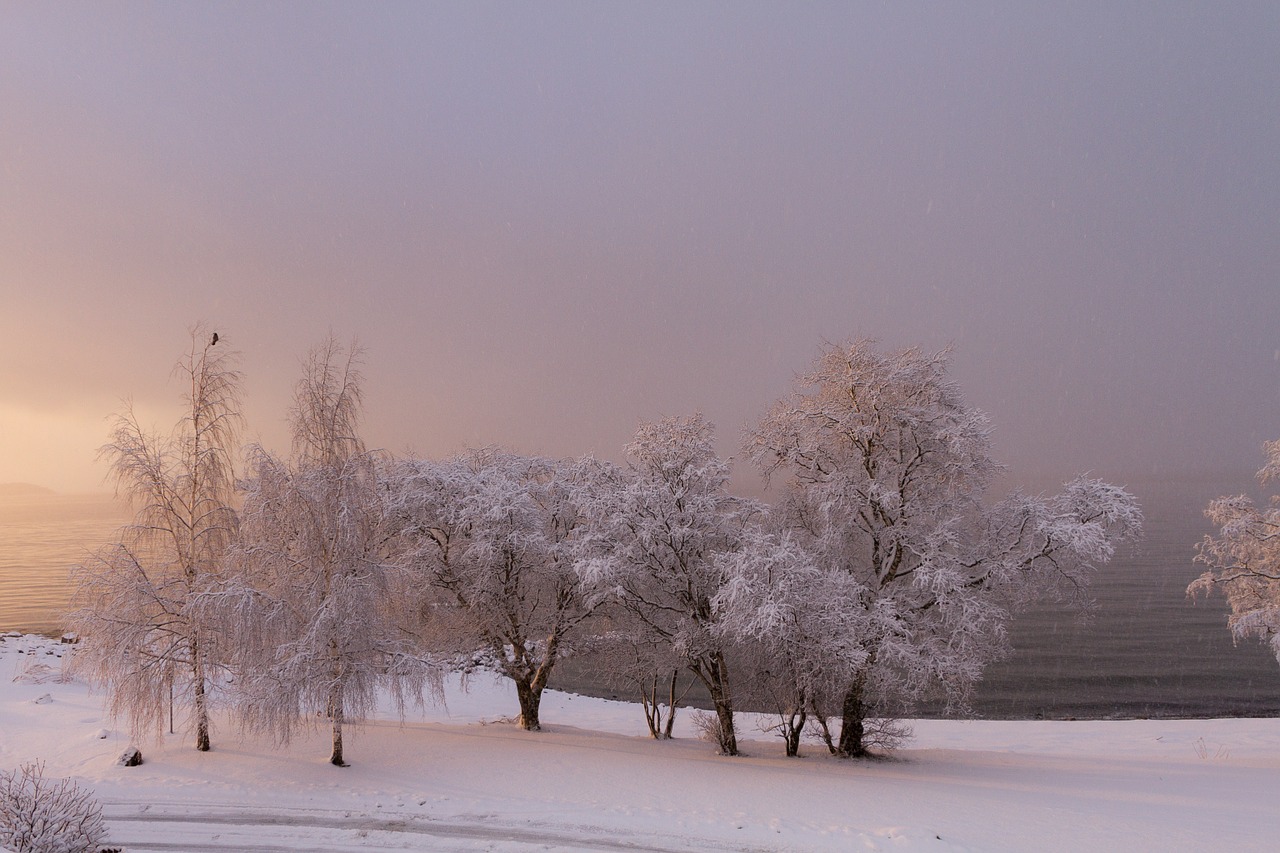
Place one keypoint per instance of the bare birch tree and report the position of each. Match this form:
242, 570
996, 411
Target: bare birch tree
311, 602
138, 601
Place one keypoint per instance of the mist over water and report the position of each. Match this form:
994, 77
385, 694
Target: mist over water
1144, 651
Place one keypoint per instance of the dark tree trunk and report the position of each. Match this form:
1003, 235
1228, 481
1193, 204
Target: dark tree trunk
792, 729
713, 672
853, 719
336, 712
672, 701
199, 700
728, 736
652, 711
202, 719
826, 734
658, 728
529, 686
530, 697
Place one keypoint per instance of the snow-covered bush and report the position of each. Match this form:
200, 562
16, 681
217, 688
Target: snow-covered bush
880, 735
39, 815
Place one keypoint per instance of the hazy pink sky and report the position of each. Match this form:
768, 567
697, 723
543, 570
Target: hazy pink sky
550, 221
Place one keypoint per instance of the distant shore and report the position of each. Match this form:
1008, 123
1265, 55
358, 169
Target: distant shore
24, 490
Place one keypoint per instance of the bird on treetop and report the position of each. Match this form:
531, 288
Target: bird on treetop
214, 342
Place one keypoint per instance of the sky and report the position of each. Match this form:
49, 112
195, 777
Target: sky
547, 223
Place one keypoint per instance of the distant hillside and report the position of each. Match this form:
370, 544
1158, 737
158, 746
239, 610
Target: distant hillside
14, 490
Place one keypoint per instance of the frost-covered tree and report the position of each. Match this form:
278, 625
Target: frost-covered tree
885, 470
633, 659
670, 524
1244, 559
790, 621
138, 601
311, 605
491, 539
40, 815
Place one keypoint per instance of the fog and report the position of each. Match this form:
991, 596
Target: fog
549, 222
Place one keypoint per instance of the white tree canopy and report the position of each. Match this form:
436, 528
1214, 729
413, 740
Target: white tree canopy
1244, 559
885, 472
669, 523
312, 602
491, 539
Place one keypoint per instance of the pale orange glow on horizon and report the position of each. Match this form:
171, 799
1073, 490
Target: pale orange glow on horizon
54, 449
547, 227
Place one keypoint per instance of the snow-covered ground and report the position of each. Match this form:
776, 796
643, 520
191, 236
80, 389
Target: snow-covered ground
459, 777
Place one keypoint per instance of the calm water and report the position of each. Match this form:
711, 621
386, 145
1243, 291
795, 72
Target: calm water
1146, 651
41, 538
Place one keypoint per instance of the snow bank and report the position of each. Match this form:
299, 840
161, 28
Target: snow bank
460, 777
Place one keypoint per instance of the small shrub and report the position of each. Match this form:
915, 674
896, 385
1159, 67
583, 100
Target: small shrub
886, 734
39, 815
1202, 750
709, 729
881, 735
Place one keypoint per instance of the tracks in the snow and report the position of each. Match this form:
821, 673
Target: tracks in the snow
197, 830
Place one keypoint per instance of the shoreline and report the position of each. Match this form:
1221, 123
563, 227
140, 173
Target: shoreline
460, 774
54, 638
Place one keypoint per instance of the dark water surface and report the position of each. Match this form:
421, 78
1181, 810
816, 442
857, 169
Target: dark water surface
1146, 650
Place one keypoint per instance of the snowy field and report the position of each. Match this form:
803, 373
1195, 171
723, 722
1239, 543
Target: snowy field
461, 777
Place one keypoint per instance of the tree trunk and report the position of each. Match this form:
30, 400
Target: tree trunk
199, 699
337, 710
336, 713
713, 672
792, 729
853, 719
659, 729
826, 733
672, 700
202, 718
728, 737
529, 687
530, 697
652, 712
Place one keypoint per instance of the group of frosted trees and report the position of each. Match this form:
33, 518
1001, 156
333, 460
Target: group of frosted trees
317, 583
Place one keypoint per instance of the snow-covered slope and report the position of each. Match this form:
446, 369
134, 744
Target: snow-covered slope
459, 777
